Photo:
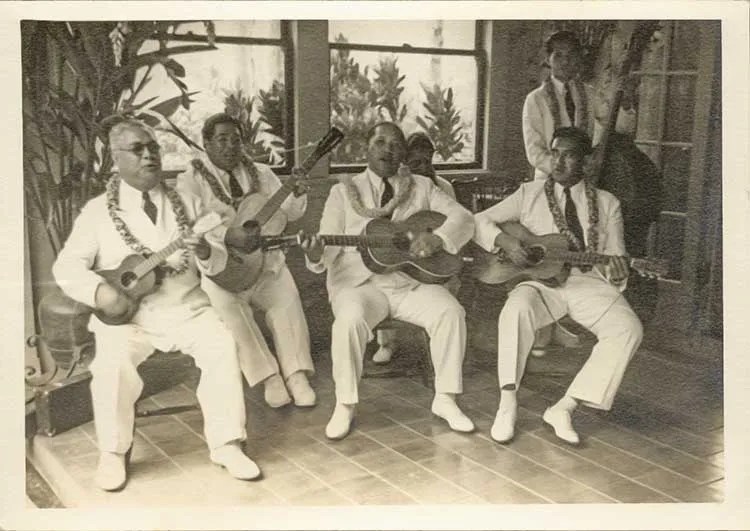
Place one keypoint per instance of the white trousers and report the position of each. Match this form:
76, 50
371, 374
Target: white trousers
276, 295
358, 310
593, 303
116, 384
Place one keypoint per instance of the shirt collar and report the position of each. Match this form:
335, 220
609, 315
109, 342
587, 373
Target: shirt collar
575, 190
237, 170
559, 85
376, 181
131, 198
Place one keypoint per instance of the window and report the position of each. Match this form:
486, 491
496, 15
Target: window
668, 74
426, 75
248, 75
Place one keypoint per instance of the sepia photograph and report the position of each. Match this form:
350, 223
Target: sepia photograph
357, 261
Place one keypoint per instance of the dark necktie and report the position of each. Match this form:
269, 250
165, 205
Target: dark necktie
570, 107
234, 186
387, 193
149, 208
571, 218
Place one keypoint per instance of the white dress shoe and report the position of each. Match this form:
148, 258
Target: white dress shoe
341, 421
276, 394
560, 421
239, 466
383, 355
504, 427
445, 407
299, 386
111, 473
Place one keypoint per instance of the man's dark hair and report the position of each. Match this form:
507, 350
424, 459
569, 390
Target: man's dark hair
419, 140
209, 126
392, 125
579, 136
562, 36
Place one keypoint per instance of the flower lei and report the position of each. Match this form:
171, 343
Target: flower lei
403, 191
562, 224
113, 205
216, 187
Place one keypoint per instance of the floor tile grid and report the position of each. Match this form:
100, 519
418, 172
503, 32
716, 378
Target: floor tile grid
657, 442
567, 450
473, 461
324, 440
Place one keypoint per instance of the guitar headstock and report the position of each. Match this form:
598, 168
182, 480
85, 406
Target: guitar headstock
325, 145
650, 267
206, 223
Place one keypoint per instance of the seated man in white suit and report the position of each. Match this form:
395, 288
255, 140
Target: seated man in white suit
138, 214
591, 220
360, 299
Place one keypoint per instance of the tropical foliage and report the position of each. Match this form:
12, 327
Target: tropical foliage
75, 75
442, 123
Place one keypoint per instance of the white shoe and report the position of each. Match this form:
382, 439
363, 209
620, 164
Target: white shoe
111, 473
445, 407
276, 394
560, 421
341, 421
239, 466
299, 386
383, 355
503, 429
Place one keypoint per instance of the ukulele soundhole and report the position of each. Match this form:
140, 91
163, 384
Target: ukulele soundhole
128, 279
535, 254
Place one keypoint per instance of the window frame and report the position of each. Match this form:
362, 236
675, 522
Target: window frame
285, 42
479, 52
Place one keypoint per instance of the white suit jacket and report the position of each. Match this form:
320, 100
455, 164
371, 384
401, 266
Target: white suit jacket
94, 243
538, 122
191, 181
344, 264
528, 205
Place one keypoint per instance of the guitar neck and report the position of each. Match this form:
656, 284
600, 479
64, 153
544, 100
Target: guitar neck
575, 258
350, 240
159, 257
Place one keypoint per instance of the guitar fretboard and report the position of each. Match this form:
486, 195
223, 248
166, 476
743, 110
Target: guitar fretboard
578, 258
348, 240
153, 261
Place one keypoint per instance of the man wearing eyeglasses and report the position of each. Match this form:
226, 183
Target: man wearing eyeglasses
138, 214
222, 177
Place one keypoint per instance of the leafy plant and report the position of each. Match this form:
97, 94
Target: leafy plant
240, 106
272, 110
388, 90
75, 74
442, 123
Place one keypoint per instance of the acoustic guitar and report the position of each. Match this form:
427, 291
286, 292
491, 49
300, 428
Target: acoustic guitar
137, 275
384, 247
550, 262
243, 269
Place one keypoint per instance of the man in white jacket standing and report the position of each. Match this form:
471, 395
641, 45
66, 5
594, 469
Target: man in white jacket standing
591, 220
222, 177
360, 299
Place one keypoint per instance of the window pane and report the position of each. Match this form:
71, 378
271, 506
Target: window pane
233, 71
678, 126
685, 45
675, 172
420, 33
261, 29
367, 87
670, 242
649, 108
653, 54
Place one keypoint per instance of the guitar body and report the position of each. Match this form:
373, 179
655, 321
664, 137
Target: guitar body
491, 268
123, 279
434, 269
243, 270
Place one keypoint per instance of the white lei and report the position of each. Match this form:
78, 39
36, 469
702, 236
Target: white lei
403, 183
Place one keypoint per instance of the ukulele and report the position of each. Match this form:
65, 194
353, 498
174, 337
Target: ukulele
243, 269
384, 247
137, 276
549, 260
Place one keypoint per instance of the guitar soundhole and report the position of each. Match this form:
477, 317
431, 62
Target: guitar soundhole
401, 241
535, 254
128, 279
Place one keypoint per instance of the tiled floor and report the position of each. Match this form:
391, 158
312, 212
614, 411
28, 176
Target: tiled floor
661, 443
